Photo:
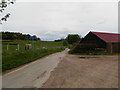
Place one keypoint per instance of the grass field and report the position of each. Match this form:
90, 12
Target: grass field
12, 58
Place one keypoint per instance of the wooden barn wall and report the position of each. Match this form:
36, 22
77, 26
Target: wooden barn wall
116, 47
113, 47
109, 48
92, 39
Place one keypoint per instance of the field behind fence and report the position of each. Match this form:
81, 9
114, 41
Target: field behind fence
15, 54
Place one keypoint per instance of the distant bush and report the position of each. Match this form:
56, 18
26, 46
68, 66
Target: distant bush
59, 40
73, 38
16, 36
65, 43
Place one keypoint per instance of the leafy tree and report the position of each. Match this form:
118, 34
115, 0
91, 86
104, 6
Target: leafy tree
59, 40
3, 5
73, 38
16, 36
38, 39
65, 43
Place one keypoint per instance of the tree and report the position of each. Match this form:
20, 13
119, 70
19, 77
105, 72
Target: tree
59, 40
16, 36
3, 5
73, 38
65, 43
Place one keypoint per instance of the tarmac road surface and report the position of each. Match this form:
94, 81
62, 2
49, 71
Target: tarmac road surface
34, 74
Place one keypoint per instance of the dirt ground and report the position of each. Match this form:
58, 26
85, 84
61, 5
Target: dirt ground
77, 71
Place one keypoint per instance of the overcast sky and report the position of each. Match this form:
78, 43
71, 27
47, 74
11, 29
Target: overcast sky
54, 20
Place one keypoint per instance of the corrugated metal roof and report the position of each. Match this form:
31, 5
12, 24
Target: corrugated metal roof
108, 37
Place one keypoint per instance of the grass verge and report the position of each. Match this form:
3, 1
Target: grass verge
12, 59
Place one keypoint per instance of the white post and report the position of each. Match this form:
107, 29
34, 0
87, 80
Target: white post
18, 47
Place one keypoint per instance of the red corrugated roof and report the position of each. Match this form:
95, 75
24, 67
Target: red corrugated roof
108, 37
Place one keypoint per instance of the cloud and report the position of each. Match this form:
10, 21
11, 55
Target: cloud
101, 22
53, 35
54, 20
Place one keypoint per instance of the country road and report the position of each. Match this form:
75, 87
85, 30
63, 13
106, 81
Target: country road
33, 75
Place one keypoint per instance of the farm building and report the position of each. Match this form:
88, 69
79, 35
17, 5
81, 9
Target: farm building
105, 42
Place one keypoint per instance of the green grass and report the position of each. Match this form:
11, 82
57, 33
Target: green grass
13, 58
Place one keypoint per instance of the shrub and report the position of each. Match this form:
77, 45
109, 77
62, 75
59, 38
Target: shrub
65, 43
73, 38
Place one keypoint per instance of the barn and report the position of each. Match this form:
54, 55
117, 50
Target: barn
106, 42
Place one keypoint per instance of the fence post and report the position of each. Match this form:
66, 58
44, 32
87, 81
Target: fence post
18, 47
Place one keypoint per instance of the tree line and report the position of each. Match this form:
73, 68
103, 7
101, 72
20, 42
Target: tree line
70, 39
16, 36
